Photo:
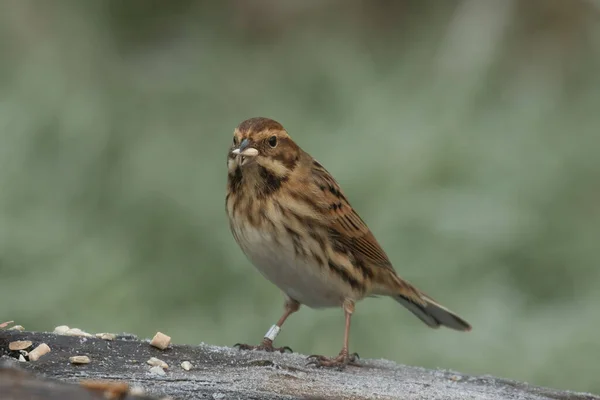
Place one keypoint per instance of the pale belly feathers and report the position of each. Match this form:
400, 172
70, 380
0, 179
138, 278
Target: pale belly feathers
300, 278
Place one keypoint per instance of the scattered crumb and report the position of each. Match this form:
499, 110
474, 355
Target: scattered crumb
39, 351
156, 362
79, 360
112, 390
160, 341
21, 358
186, 365
65, 330
156, 370
106, 336
5, 324
61, 330
77, 332
137, 391
17, 328
20, 345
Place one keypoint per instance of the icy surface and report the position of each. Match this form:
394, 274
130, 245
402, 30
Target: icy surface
223, 372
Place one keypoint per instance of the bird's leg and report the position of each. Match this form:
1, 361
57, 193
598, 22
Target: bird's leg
344, 358
291, 306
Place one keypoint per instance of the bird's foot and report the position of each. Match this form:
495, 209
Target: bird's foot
265, 345
340, 362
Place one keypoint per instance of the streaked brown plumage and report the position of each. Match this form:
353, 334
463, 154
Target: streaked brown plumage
294, 223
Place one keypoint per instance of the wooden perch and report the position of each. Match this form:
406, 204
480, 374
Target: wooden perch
226, 373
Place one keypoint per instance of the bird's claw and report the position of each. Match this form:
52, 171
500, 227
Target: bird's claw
268, 347
340, 362
286, 349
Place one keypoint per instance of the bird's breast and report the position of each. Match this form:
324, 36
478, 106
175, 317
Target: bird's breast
294, 263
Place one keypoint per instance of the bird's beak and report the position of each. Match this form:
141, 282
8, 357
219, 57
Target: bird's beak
244, 150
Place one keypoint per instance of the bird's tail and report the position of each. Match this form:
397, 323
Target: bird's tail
432, 313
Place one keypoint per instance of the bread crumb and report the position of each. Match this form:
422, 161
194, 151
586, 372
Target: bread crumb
79, 360
106, 336
20, 345
160, 341
156, 362
39, 351
186, 365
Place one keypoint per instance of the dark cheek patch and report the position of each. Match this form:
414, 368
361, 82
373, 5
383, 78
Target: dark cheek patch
272, 183
235, 179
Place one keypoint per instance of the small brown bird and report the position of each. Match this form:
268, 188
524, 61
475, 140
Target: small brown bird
296, 226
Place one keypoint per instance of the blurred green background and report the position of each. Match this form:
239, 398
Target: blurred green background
466, 133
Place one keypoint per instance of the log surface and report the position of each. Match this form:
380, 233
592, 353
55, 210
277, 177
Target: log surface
227, 373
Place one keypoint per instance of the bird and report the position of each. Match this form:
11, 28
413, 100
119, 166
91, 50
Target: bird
294, 223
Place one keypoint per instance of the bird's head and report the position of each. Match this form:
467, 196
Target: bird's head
262, 146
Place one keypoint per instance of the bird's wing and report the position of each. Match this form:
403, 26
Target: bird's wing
347, 230
350, 235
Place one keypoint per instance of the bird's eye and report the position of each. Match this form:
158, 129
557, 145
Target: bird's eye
235, 140
273, 141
